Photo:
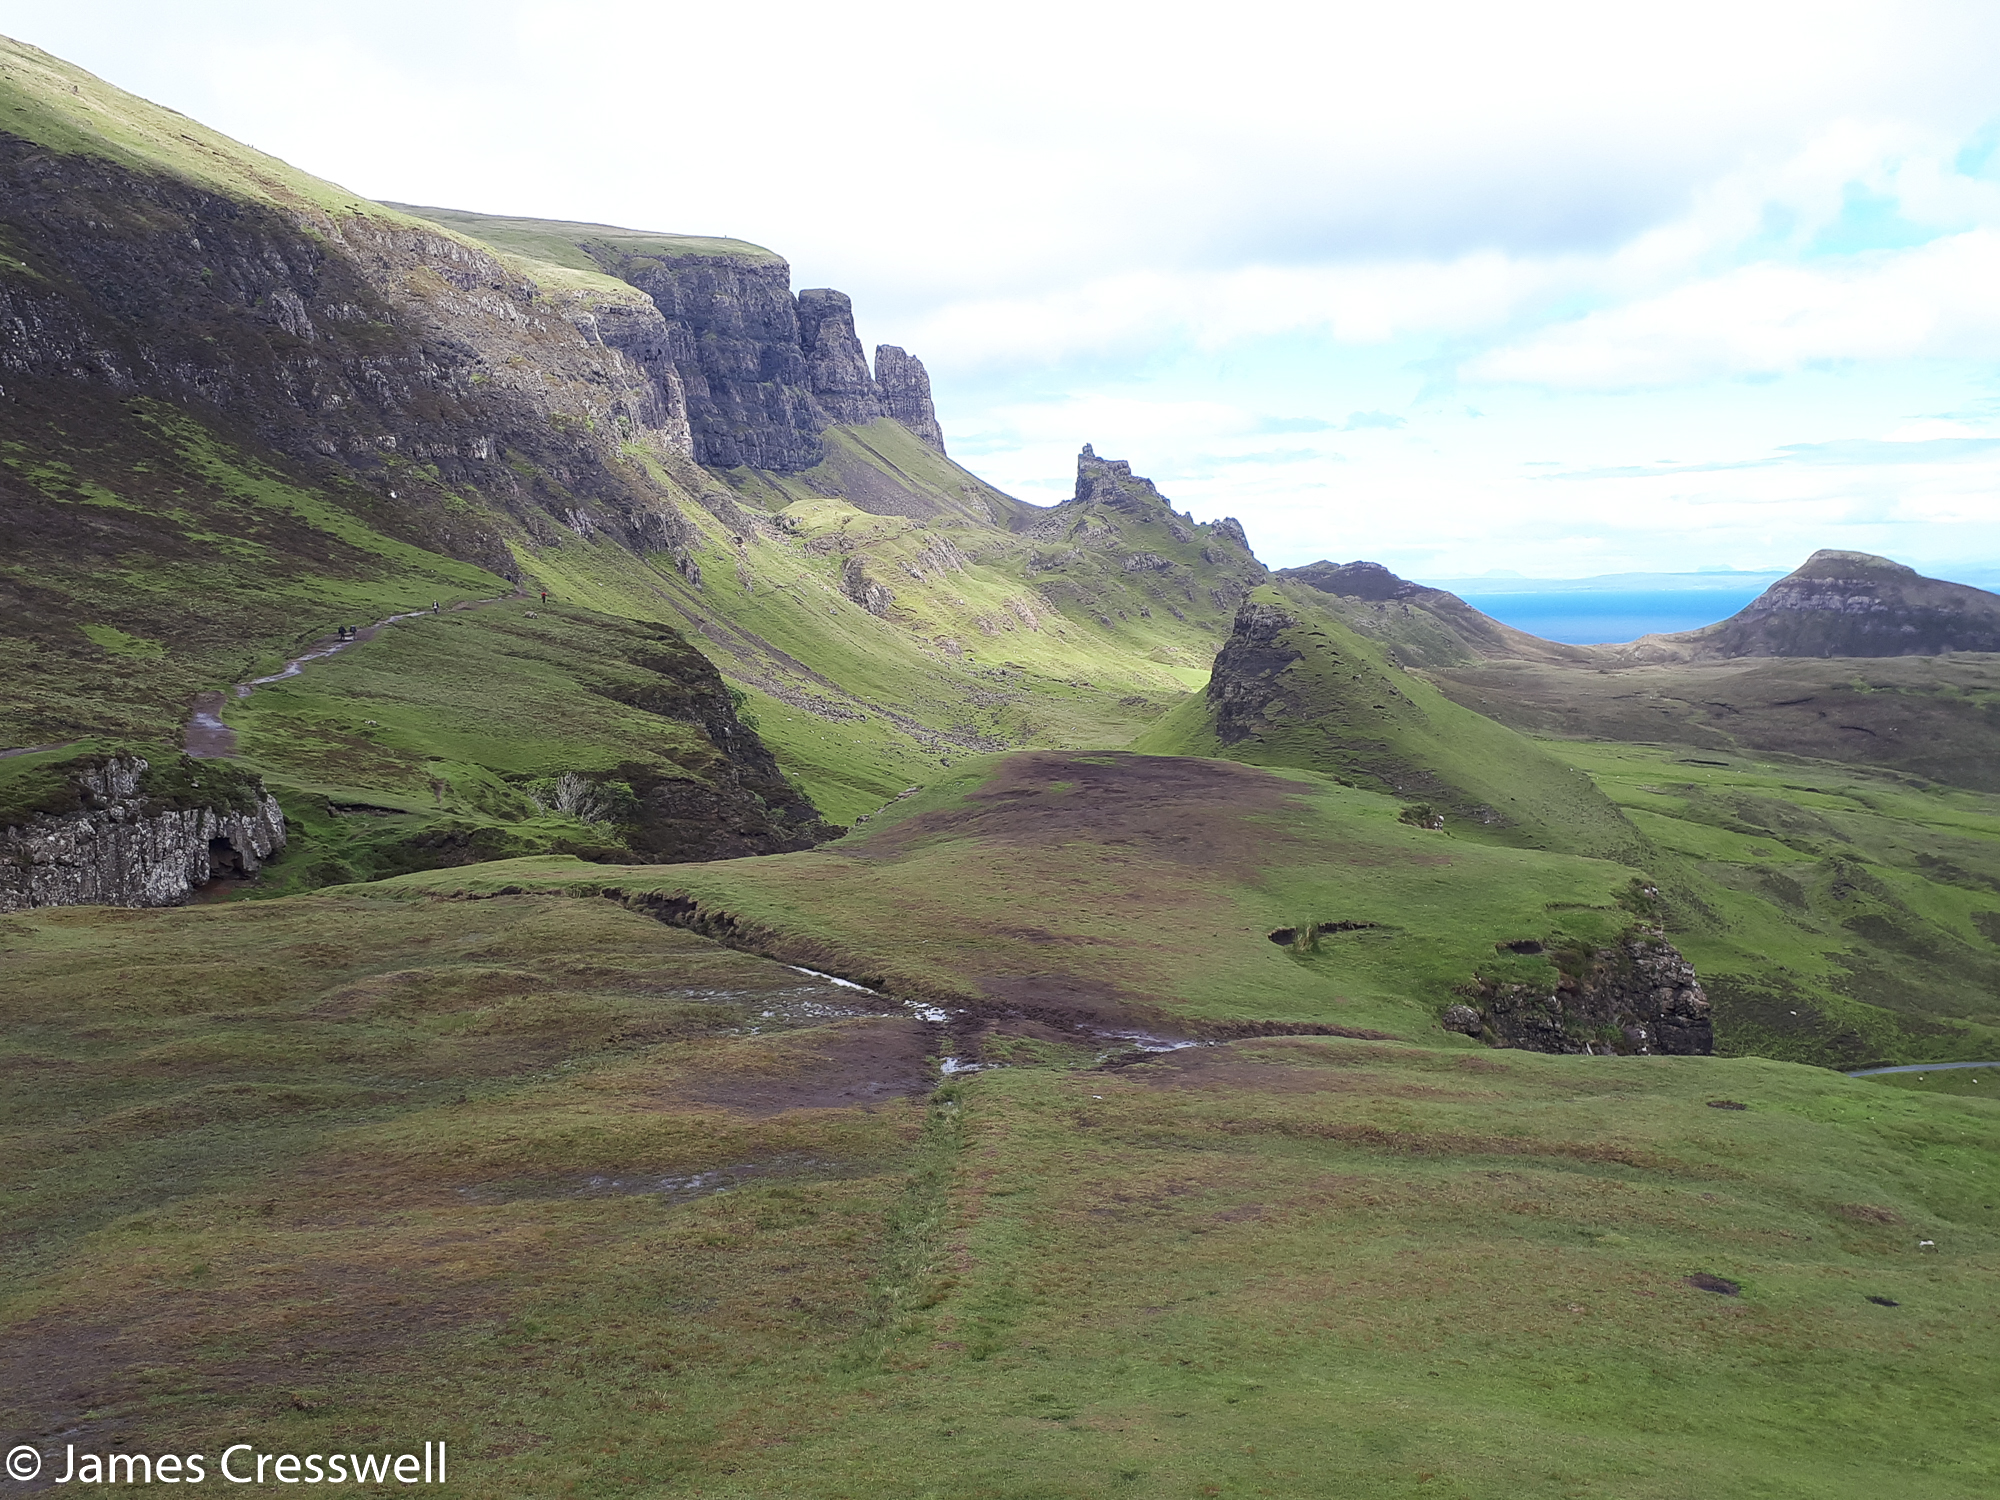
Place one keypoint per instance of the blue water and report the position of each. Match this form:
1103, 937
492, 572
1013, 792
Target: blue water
1593, 617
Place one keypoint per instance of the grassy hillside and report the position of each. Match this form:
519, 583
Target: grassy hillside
1136, 890
1303, 690
1937, 718
1836, 915
581, 247
146, 559
604, 1207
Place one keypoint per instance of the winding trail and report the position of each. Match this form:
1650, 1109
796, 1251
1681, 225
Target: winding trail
37, 749
208, 738
1919, 1068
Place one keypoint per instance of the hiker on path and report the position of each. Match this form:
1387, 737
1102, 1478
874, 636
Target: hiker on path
545, 596
434, 607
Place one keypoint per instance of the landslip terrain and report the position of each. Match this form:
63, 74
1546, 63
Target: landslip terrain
572, 885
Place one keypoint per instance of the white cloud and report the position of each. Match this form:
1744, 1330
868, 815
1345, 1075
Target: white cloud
1094, 219
1939, 301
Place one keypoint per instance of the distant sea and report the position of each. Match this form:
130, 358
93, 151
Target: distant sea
1622, 607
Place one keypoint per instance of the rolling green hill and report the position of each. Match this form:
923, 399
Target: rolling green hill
1295, 687
1112, 1107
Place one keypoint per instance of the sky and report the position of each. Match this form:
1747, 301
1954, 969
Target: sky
1555, 289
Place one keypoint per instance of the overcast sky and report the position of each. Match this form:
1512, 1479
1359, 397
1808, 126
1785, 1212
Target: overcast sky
1562, 289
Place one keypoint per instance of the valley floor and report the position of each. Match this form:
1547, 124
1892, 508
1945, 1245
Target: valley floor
608, 1207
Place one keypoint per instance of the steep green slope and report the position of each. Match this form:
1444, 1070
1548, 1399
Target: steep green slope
144, 559
251, 407
1295, 687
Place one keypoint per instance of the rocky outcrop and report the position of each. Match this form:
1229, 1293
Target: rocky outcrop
726, 801
1244, 683
1110, 482
1230, 530
1356, 580
905, 388
1118, 551
140, 838
863, 589
1639, 997
1853, 604
835, 366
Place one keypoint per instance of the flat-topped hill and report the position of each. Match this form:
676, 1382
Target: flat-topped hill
572, 244
1855, 604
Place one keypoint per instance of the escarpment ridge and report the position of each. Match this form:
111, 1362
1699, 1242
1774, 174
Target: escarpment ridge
759, 373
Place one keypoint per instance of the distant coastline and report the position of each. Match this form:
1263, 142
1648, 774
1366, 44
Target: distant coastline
1617, 607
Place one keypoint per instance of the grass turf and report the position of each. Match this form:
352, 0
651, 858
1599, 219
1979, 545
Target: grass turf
331, 1174
1136, 887
1838, 914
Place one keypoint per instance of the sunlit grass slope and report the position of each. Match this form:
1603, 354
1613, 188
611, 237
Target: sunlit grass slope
1327, 699
610, 1209
1837, 914
966, 656
1135, 888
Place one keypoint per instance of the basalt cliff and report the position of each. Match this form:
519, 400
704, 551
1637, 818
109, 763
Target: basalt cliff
115, 831
1637, 998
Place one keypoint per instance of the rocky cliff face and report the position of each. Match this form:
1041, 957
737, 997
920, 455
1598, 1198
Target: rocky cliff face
905, 388
760, 374
835, 366
1640, 997
398, 356
1855, 604
137, 838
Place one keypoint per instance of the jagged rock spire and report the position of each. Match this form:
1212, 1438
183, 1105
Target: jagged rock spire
905, 387
835, 366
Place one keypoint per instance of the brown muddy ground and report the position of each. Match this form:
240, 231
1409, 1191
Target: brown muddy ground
855, 1063
1186, 811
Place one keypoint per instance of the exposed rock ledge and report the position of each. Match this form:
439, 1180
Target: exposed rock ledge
134, 842
1639, 997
